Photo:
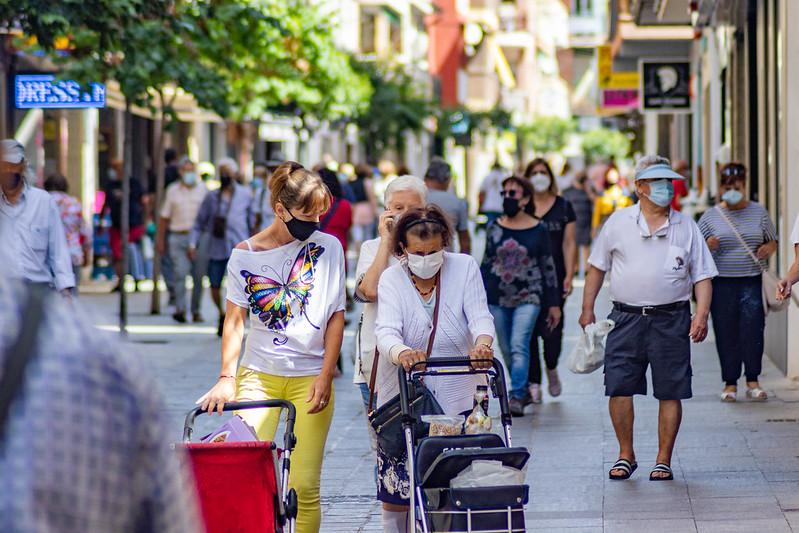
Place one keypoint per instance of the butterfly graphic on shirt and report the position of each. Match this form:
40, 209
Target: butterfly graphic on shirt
276, 301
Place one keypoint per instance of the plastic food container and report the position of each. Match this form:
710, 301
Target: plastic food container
444, 425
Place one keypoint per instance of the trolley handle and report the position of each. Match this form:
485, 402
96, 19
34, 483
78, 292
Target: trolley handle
289, 439
496, 371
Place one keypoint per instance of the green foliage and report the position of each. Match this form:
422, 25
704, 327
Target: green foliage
397, 105
603, 144
277, 54
236, 57
547, 135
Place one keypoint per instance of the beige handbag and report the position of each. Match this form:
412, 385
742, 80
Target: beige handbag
770, 280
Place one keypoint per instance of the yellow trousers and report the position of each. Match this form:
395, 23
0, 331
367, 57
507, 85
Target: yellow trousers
311, 432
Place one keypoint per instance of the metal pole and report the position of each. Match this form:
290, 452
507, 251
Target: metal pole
125, 222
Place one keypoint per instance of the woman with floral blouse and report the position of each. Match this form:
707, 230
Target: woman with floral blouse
520, 280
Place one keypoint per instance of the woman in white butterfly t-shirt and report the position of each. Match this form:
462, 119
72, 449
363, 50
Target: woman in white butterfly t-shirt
289, 279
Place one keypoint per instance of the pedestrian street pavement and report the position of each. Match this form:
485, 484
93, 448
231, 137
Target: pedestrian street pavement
736, 465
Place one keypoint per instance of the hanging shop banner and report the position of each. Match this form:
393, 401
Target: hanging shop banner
665, 86
43, 91
620, 98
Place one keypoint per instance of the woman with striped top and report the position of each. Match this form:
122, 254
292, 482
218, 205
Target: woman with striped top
737, 308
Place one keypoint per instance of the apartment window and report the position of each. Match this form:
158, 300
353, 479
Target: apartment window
583, 7
368, 31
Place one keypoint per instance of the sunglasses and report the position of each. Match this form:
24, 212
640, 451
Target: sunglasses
511, 194
734, 171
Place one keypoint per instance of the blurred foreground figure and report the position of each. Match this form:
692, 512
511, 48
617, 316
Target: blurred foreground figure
85, 448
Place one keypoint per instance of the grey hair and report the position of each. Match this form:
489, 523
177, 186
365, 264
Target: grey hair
406, 183
228, 162
185, 160
439, 170
649, 161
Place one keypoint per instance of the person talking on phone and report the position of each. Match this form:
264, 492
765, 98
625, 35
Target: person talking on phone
402, 194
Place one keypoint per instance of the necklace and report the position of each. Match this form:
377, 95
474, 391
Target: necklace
420, 291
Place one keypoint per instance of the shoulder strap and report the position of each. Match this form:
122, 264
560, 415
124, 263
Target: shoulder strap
740, 238
372, 380
435, 315
19, 355
249, 245
373, 376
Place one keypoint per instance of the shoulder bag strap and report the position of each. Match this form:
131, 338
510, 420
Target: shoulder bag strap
373, 377
372, 380
19, 355
740, 238
435, 315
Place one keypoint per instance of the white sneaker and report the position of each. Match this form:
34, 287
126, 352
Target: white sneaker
535, 392
555, 387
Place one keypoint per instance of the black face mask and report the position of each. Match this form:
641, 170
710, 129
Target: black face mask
510, 206
225, 181
301, 229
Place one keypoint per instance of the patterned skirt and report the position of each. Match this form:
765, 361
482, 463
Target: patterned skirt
393, 484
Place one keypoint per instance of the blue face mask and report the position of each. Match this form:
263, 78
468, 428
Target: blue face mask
661, 192
732, 197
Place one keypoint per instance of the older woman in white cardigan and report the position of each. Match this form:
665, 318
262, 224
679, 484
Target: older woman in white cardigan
406, 303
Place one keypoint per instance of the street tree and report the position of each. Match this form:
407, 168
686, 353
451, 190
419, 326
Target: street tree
603, 144
398, 105
547, 135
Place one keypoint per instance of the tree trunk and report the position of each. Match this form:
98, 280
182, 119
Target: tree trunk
125, 222
155, 301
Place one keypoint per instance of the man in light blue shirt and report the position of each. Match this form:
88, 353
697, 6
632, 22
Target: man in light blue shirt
30, 225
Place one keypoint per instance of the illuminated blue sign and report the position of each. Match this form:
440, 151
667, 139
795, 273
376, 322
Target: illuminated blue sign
37, 91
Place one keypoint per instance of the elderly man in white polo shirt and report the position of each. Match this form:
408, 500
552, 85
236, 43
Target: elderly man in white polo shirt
655, 256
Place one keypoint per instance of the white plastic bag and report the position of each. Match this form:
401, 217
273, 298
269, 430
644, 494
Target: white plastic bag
589, 354
486, 473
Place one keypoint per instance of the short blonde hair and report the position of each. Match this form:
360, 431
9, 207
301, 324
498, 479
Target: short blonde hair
296, 187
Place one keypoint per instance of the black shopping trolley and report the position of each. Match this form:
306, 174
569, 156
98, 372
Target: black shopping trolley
434, 461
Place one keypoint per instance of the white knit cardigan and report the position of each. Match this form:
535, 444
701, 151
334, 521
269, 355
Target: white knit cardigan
402, 320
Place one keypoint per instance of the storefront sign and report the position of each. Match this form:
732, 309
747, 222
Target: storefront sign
38, 91
665, 86
624, 80
604, 60
620, 98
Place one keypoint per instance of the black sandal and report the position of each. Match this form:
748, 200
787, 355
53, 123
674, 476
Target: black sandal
626, 466
661, 467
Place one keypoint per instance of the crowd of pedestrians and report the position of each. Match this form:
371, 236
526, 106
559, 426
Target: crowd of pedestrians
281, 241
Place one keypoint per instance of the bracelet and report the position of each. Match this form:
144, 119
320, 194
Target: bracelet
222, 376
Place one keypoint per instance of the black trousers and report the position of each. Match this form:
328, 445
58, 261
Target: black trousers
546, 341
739, 322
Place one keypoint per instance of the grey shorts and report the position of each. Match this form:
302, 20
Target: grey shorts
657, 340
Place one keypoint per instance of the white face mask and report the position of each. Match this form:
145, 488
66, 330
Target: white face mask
541, 182
425, 266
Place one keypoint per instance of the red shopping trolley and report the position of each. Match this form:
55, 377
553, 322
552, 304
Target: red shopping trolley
243, 486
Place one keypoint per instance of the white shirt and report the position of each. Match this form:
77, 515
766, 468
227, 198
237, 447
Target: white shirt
651, 270
33, 239
181, 205
795, 232
365, 341
291, 292
492, 188
402, 321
